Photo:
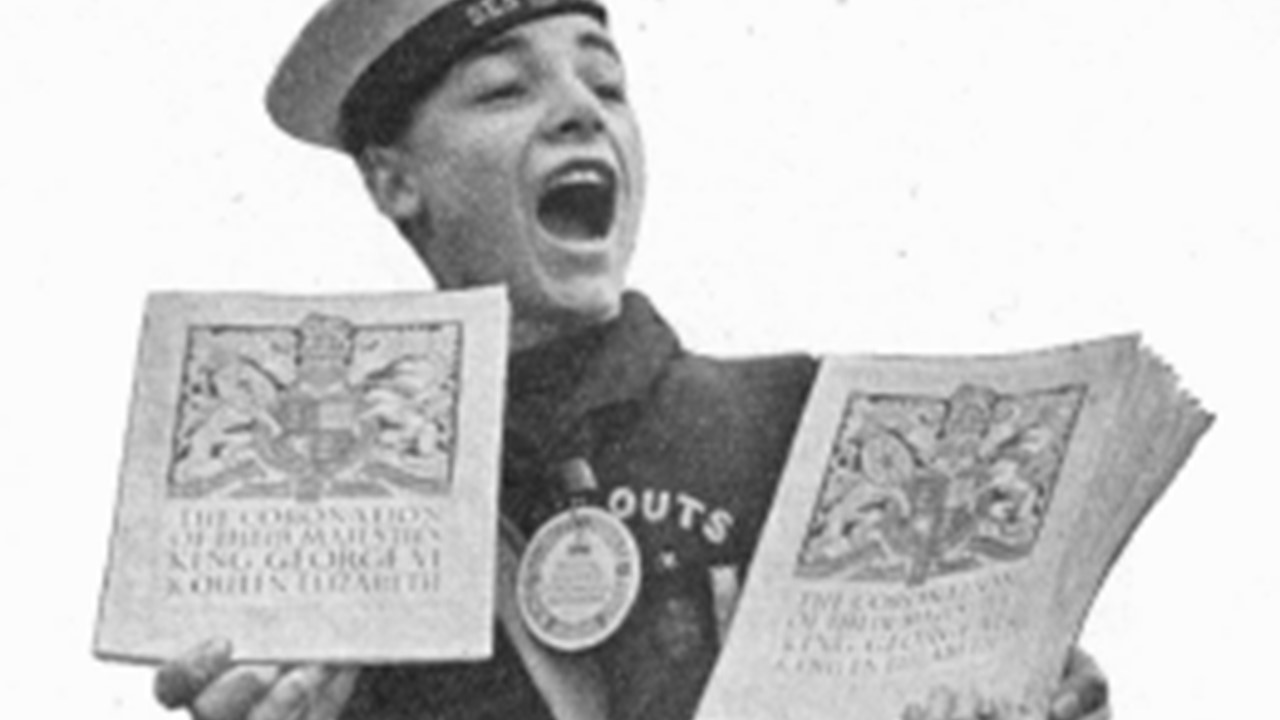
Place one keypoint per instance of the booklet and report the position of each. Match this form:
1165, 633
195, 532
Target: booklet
941, 529
312, 478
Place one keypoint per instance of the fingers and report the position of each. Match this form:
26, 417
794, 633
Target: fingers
204, 680
333, 696
235, 693
267, 692
179, 681
311, 692
291, 694
1083, 693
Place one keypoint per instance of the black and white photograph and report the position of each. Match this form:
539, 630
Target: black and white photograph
830, 358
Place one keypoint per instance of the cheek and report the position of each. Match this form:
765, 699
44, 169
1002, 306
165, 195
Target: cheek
635, 147
472, 248
473, 195
632, 146
468, 162
474, 183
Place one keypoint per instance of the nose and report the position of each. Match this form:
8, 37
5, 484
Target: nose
575, 113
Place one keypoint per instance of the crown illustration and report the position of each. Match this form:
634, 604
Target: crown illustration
325, 337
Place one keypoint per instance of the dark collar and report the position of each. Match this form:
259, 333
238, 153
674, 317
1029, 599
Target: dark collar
554, 386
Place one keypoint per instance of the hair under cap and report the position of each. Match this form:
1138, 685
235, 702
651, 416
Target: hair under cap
359, 66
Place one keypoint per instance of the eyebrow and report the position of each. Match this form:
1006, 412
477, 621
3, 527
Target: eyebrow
596, 40
506, 44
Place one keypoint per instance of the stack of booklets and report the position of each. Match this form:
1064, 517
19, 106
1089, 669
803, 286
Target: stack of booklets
943, 525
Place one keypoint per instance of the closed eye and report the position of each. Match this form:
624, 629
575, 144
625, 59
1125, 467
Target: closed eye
499, 93
611, 92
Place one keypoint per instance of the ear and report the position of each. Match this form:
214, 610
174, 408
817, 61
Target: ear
393, 187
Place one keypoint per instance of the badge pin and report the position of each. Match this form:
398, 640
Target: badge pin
578, 579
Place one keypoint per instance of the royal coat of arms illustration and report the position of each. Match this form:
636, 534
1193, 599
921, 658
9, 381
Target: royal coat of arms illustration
917, 487
323, 409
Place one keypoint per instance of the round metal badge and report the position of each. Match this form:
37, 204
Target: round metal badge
578, 579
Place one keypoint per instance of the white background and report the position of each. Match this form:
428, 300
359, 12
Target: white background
850, 175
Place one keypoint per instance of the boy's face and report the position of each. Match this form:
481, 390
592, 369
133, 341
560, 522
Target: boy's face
525, 168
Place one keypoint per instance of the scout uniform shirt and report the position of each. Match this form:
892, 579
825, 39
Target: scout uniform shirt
686, 450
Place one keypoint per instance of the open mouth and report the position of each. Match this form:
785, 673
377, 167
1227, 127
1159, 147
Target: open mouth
579, 201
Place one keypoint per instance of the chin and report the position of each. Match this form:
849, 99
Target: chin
598, 307
586, 304
546, 318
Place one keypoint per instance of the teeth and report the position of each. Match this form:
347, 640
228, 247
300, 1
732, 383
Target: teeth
581, 176
578, 202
